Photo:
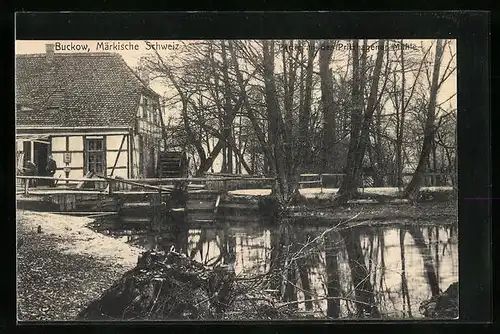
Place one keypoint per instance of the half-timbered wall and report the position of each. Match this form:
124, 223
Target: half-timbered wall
117, 155
146, 140
114, 153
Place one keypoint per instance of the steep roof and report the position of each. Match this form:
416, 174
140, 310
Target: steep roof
77, 90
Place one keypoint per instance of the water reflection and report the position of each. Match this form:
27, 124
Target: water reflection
363, 271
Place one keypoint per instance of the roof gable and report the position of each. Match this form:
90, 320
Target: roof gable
77, 89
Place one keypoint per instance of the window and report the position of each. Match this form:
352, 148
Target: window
94, 153
155, 117
145, 108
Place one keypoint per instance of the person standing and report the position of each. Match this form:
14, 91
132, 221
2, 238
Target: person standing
51, 169
30, 169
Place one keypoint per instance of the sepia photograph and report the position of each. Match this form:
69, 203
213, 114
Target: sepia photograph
243, 180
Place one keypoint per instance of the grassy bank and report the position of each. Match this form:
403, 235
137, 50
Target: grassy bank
433, 213
63, 268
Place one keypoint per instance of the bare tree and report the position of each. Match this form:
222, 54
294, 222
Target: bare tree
413, 187
360, 123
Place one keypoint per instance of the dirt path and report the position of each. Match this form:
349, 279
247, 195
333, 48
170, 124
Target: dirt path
63, 268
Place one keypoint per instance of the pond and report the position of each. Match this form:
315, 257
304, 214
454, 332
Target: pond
388, 269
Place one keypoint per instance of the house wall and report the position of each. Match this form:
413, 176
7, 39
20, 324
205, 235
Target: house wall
115, 154
72, 144
135, 170
148, 128
75, 144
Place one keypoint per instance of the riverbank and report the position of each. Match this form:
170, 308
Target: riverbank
67, 265
375, 214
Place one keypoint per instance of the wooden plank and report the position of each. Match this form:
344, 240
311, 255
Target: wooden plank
143, 181
190, 206
239, 206
238, 218
142, 185
60, 179
135, 220
138, 205
178, 209
202, 179
85, 213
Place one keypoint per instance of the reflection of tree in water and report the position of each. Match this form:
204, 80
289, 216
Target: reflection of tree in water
333, 278
294, 254
216, 241
363, 288
293, 259
425, 252
404, 282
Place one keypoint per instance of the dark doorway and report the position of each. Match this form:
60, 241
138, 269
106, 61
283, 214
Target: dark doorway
152, 164
41, 152
27, 151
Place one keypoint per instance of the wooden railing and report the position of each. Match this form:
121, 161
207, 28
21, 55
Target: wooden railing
223, 183
157, 184
319, 178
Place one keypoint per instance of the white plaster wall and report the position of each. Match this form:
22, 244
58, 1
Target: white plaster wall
76, 173
76, 143
76, 159
58, 144
111, 157
19, 146
113, 142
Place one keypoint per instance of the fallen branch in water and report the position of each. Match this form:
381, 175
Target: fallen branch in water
321, 237
322, 298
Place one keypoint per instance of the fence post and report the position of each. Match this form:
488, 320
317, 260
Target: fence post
26, 186
111, 184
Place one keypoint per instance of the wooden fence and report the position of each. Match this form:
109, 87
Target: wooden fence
329, 180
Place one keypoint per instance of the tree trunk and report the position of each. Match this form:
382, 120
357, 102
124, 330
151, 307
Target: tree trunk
360, 127
289, 81
349, 183
372, 103
400, 124
304, 146
413, 187
265, 145
275, 124
329, 152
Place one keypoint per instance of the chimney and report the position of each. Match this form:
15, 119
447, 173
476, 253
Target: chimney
49, 52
